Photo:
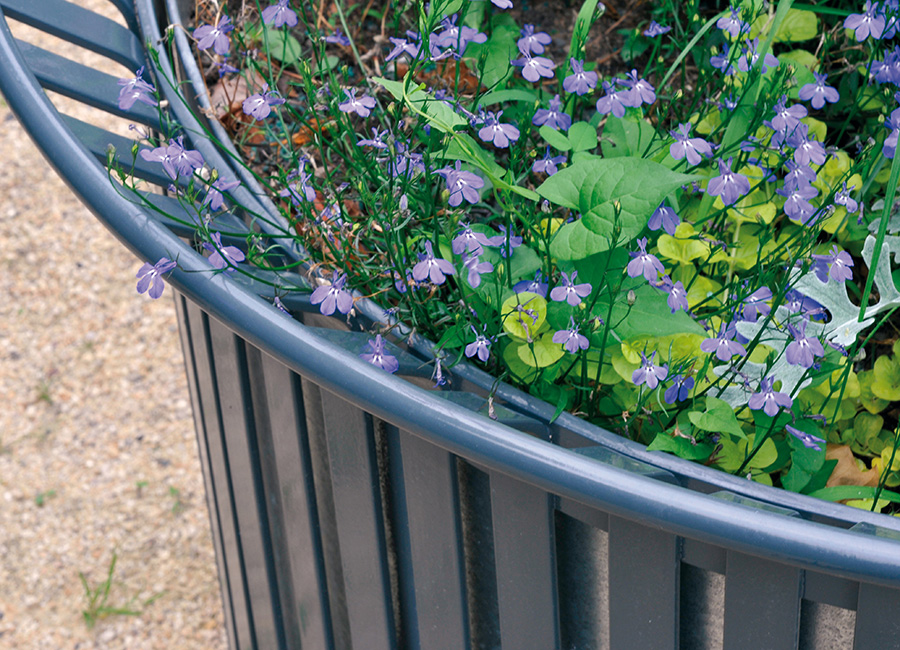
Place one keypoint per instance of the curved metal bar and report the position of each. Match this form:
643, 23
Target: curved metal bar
451, 427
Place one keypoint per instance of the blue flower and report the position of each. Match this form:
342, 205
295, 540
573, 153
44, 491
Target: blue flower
755, 305
337, 37
687, 147
569, 291
834, 267
431, 267
801, 351
644, 263
533, 42
729, 185
680, 390
664, 217
506, 241
809, 440
376, 355
797, 206
818, 93
333, 296
787, 117
214, 198
135, 90
751, 55
150, 277
538, 285
641, 91
871, 23
461, 184
481, 347
534, 67
768, 399
554, 117
547, 164
614, 101
216, 36
500, 135
456, 37
259, 106
475, 268
733, 24
362, 106
723, 346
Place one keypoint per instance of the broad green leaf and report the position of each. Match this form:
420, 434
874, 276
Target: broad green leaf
555, 138
596, 187
523, 263
282, 46
523, 314
573, 241
542, 353
497, 52
518, 368
798, 25
582, 136
463, 147
887, 378
648, 316
437, 113
718, 418
626, 137
681, 447
510, 95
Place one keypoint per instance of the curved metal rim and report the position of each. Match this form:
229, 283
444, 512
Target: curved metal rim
554, 469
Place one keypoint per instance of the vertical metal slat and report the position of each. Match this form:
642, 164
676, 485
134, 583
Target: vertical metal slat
877, 618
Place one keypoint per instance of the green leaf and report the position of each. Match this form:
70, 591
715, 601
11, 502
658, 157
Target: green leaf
594, 187
463, 147
555, 139
510, 95
435, 112
586, 17
626, 137
497, 52
842, 492
648, 316
582, 136
282, 46
681, 447
718, 418
523, 263
573, 241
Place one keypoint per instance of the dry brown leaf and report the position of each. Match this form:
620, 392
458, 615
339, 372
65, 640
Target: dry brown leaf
232, 89
847, 472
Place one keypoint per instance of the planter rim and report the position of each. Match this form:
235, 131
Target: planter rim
853, 554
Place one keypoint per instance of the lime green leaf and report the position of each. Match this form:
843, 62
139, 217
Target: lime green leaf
798, 25
681, 447
887, 378
842, 492
542, 353
648, 316
718, 418
573, 241
523, 315
596, 187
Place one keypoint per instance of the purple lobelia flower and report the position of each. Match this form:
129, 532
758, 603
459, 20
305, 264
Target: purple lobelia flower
302, 190
216, 37
677, 294
500, 135
680, 390
279, 14
150, 277
641, 92
796, 302
362, 106
755, 305
808, 149
842, 197
533, 42
506, 241
723, 62
547, 164
376, 141
818, 93
408, 46
480, 347
834, 267
796, 205
644, 263
655, 29
375, 354
733, 23
729, 185
750, 56
664, 217
502, 4
614, 100
649, 374
538, 285
134, 90
475, 268
724, 346
787, 117
223, 257
798, 175
571, 339
259, 106
579, 82
687, 147
337, 37
214, 198
431, 268
457, 37
570, 292
554, 117
467, 240
809, 440
768, 399
869, 23
802, 351
461, 184
333, 296
534, 67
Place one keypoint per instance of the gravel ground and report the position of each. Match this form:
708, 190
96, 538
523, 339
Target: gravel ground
98, 457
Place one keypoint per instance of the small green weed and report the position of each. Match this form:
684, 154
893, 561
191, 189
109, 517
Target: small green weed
98, 599
178, 506
42, 497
